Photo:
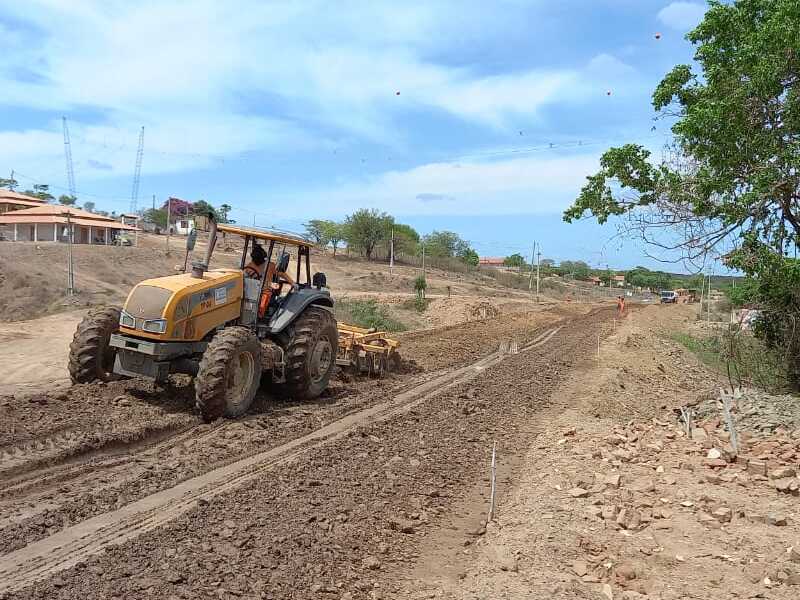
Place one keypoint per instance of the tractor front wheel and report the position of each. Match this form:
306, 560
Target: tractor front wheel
310, 353
90, 356
229, 374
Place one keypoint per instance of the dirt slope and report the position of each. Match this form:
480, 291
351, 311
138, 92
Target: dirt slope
33, 276
613, 501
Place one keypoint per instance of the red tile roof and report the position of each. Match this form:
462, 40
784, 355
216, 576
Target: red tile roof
54, 213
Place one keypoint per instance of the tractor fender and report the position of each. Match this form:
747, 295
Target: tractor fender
294, 305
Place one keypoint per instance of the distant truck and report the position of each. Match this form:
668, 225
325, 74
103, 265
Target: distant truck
679, 296
669, 297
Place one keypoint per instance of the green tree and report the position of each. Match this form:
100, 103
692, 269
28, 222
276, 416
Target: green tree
447, 244
515, 260
203, 208
442, 243
737, 137
223, 212
315, 229
366, 228
469, 256
8, 184
406, 239
88, 206
733, 177
157, 216
67, 200
334, 233
41, 191
577, 269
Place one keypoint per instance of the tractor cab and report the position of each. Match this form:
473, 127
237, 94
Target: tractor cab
277, 282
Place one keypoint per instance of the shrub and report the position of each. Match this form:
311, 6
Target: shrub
367, 313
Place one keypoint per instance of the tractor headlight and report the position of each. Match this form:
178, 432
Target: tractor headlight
127, 320
155, 326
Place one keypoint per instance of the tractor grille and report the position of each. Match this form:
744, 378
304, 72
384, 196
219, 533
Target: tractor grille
147, 302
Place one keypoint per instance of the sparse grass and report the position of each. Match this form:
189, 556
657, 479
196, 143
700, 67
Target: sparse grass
416, 303
707, 350
367, 313
741, 357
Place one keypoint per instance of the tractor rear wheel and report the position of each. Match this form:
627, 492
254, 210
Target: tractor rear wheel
310, 353
90, 356
229, 374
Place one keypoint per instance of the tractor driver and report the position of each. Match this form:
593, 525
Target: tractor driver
258, 263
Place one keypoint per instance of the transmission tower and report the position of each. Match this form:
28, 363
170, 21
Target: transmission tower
137, 173
68, 157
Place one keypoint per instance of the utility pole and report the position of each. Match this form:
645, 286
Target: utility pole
154, 201
530, 279
702, 293
70, 267
538, 264
391, 253
169, 218
708, 300
423, 260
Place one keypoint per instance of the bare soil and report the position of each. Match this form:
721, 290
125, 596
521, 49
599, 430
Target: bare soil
33, 276
612, 500
74, 453
340, 514
380, 488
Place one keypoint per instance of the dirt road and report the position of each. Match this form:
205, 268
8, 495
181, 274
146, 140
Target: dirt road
302, 497
33, 353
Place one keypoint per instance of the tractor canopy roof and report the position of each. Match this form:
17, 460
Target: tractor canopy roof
280, 237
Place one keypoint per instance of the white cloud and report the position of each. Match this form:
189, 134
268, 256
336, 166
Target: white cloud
531, 184
682, 16
158, 63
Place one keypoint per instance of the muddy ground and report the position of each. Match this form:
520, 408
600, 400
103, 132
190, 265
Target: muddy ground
381, 488
69, 455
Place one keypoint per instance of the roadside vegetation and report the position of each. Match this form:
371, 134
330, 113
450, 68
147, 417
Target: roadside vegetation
742, 358
728, 187
367, 313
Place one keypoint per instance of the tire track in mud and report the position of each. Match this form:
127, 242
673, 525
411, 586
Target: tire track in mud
103, 462
74, 544
70, 459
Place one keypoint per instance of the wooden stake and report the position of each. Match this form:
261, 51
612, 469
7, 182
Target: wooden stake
726, 410
490, 516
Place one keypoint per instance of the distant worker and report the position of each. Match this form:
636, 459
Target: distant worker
258, 263
621, 305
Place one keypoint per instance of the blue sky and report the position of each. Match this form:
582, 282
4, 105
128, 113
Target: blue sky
479, 117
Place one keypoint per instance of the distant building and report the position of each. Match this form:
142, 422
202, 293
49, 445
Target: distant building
183, 226
13, 201
493, 262
595, 280
131, 220
48, 223
618, 280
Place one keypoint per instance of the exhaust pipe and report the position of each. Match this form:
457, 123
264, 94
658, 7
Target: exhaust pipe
198, 268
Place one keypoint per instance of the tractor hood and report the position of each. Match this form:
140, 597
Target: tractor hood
182, 307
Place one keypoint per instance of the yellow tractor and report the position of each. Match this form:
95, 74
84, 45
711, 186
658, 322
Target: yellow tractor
226, 327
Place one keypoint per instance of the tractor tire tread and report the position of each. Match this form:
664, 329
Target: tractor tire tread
87, 343
306, 329
210, 383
